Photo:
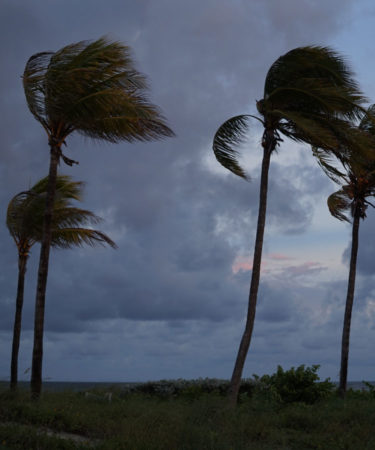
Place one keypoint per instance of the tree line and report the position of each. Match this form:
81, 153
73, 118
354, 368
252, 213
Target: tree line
91, 87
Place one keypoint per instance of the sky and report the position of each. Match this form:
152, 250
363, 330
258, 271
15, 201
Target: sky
170, 302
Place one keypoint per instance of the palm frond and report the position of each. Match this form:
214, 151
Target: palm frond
94, 88
328, 133
34, 85
339, 204
300, 98
72, 217
230, 134
325, 69
368, 121
77, 237
66, 188
309, 129
25, 216
328, 163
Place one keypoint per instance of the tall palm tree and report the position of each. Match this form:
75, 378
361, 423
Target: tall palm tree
309, 96
25, 222
356, 175
94, 89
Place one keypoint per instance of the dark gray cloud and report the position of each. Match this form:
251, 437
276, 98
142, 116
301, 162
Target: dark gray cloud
366, 250
167, 303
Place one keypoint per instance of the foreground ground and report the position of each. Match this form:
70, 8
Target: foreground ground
192, 420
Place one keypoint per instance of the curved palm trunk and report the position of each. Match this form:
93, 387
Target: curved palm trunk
349, 307
269, 144
36, 369
22, 261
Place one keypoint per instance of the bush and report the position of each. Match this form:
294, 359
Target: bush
370, 388
296, 385
180, 388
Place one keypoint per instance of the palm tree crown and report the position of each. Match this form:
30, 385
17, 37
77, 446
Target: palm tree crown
355, 172
309, 96
25, 217
92, 88
352, 198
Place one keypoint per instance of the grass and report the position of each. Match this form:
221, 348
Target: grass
192, 421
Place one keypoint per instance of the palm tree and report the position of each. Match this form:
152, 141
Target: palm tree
309, 96
356, 175
94, 89
25, 222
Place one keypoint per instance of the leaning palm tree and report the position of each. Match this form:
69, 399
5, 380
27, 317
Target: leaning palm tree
356, 175
94, 89
309, 96
25, 222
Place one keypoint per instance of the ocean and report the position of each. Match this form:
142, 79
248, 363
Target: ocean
79, 386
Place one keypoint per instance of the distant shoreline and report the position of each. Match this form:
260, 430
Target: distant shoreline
76, 386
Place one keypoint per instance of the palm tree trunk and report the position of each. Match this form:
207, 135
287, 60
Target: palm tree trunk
269, 144
22, 260
36, 369
349, 307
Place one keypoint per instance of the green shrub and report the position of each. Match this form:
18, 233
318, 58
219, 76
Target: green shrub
295, 385
370, 388
189, 389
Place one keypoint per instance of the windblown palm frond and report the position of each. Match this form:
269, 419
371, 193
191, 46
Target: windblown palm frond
352, 169
339, 204
368, 121
66, 188
25, 216
230, 134
34, 85
307, 128
68, 217
92, 87
328, 163
77, 237
320, 70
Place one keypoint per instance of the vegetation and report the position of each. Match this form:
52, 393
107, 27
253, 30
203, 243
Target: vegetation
136, 420
309, 96
94, 89
296, 385
25, 222
356, 176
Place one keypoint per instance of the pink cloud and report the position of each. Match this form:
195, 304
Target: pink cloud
273, 263
245, 265
307, 268
242, 264
278, 256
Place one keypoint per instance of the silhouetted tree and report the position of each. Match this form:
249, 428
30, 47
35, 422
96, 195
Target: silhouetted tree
25, 223
309, 96
94, 89
356, 175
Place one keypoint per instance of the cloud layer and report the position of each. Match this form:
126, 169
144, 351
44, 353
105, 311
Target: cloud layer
171, 301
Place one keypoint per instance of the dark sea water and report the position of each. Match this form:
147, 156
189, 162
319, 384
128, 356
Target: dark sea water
81, 386
357, 385
75, 386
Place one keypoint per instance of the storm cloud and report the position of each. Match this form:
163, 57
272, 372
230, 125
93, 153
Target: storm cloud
171, 301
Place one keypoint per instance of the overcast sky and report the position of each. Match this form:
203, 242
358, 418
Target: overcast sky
170, 302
